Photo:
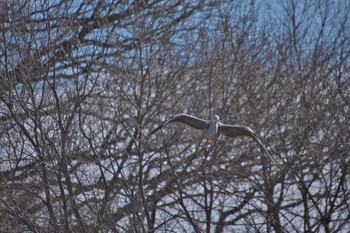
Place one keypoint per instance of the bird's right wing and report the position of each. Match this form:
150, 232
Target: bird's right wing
192, 121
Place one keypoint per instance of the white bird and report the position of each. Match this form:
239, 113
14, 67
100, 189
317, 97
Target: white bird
213, 127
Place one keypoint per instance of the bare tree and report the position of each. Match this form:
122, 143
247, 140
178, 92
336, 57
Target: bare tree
83, 83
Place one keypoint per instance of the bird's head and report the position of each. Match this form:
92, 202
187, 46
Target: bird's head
216, 118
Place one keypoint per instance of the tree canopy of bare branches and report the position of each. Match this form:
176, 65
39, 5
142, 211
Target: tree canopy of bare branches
82, 83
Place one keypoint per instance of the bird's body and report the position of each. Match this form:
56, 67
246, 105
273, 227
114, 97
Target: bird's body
213, 127
211, 135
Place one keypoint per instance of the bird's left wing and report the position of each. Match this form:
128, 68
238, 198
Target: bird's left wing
237, 130
192, 121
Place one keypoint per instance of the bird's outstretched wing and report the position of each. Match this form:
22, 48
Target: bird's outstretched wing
192, 121
237, 130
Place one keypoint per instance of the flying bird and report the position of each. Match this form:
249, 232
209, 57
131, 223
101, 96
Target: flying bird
213, 128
